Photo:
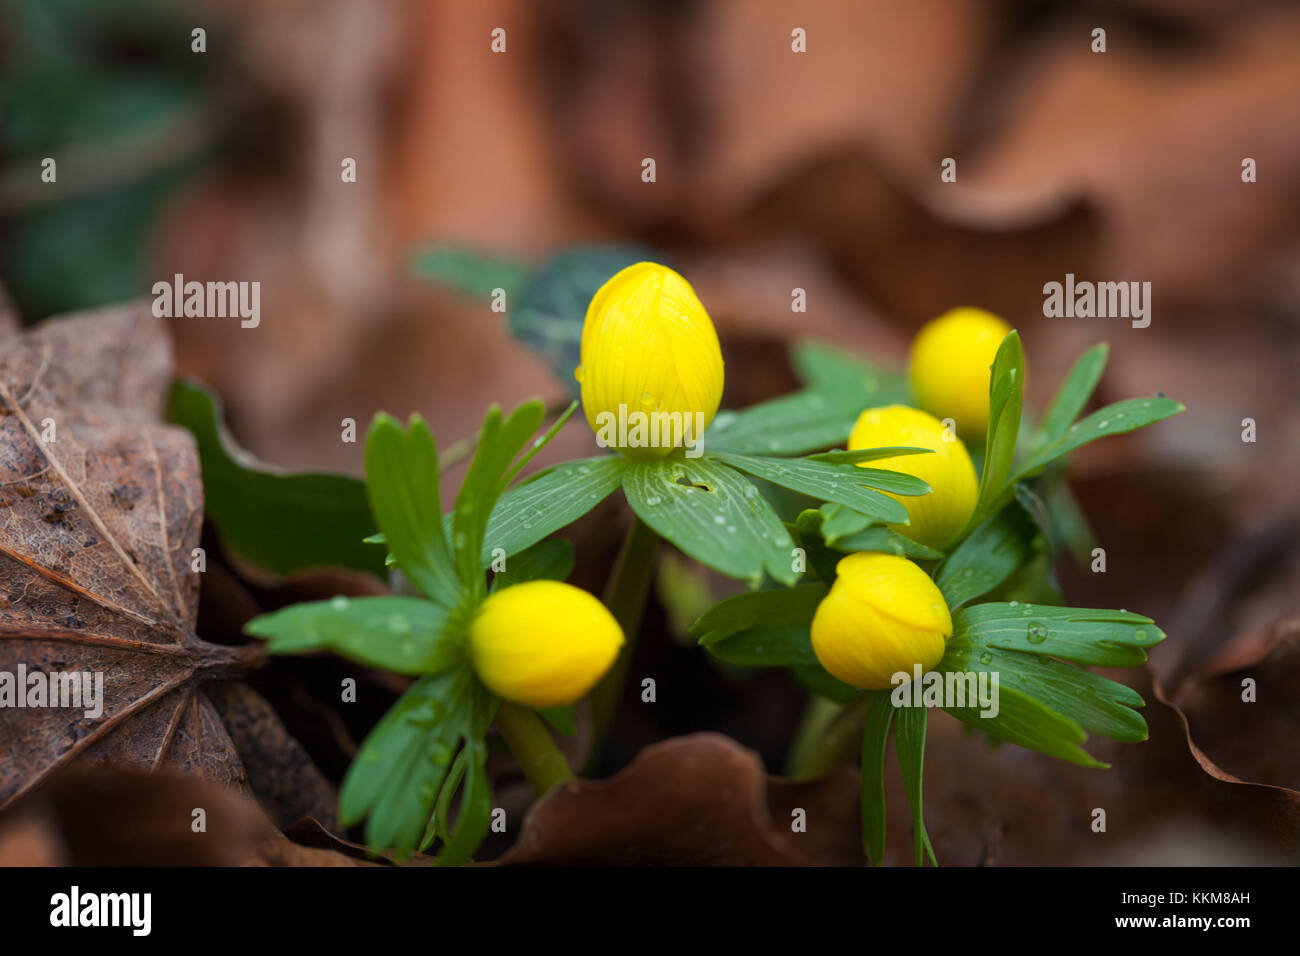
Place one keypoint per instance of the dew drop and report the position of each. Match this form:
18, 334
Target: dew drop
1037, 632
339, 603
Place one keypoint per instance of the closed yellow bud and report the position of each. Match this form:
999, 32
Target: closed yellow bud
951, 358
651, 369
937, 517
883, 616
543, 643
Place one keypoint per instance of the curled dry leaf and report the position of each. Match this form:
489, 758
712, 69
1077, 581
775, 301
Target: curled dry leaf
699, 800
100, 510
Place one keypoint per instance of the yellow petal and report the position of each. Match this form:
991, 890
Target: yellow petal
950, 363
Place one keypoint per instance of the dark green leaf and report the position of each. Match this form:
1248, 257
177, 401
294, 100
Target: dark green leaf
875, 737
782, 607
828, 368
278, 521
550, 310
548, 560
475, 809
820, 559
766, 646
887, 541
987, 557
790, 425
400, 634
713, 514
820, 682
561, 718
402, 484
840, 457
909, 741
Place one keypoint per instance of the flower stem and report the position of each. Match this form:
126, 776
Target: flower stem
533, 746
830, 735
625, 595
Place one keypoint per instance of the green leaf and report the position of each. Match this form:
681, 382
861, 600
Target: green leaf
838, 483
1006, 387
800, 422
278, 521
1115, 419
1097, 704
839, 522
887, 541
498, 444
547, 560
767, 647
550, 310
400, 634
1100, 638
554, 499
714, 515
475, 809
819, 681
875, 737
987, 557
782, 607
437, 828
828, 368
467, 271
1072, 396
397, 773
821, 559
909, 741
1023, 721
402, 484
840, 457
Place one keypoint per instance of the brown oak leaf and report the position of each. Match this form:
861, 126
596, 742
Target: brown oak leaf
101, 506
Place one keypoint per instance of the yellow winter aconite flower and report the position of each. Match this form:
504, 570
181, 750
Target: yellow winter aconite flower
950, 362
651, 369
543, 643
883, 615
937, 517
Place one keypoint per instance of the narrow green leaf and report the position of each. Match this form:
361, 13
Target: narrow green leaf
909, 741
473, 273
1006, 387
887, 541
987, 556
829, 368
437, 828
766, 647
838, 483
548, 560
540, 443
820, 559
819, 681
1072, 396
400, 634
841, 457
713, 514
875, 737
402, 485
841, 522
1116, 419
475, 810
498, 445
278, 521
397, 773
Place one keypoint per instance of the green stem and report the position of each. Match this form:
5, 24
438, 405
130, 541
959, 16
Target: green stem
625, 595
817, 717
533, 746
838, 742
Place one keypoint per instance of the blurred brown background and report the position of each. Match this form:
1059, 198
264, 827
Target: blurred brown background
775, 170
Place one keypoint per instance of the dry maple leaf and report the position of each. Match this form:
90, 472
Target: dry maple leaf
100, 509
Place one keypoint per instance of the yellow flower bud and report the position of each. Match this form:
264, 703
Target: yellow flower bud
951, 358
543, 643
883, 615
651, 369
937, 517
